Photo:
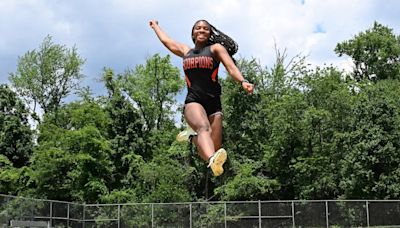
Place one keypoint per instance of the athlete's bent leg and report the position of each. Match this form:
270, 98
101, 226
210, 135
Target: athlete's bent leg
197, 119
218, 159
216, 126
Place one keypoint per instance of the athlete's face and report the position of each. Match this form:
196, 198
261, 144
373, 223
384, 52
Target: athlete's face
201, 32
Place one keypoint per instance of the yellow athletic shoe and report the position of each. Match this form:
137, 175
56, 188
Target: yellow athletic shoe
185, 136
217, 161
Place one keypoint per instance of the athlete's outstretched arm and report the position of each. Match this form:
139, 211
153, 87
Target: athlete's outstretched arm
221, 53
175, 47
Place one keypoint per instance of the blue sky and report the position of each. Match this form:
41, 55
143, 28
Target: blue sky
115, 33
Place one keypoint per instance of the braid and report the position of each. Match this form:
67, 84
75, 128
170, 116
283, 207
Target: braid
219, 37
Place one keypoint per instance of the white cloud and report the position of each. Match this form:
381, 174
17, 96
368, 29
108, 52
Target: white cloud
116, 33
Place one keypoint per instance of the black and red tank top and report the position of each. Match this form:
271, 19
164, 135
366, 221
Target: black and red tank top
201, 72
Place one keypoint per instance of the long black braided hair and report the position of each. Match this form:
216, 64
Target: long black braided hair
219, 37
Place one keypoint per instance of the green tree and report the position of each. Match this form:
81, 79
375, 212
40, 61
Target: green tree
46, 76
247, 133
153, 88
326, 120
11, 178
125, 133
244, 121
16, 136
248, 183
375, 52
163, 180
370, 167
72, 161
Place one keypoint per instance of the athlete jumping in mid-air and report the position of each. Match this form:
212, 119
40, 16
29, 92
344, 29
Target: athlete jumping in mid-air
202, 110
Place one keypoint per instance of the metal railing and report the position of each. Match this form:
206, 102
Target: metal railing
294, 213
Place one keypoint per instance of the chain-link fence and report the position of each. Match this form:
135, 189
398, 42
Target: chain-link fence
295, 213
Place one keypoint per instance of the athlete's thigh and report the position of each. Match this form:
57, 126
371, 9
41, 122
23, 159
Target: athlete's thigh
196, 116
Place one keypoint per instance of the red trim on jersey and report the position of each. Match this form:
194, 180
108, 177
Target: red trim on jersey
214, 74
188, 81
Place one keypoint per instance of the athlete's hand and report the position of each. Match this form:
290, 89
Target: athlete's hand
153, 23
248, 87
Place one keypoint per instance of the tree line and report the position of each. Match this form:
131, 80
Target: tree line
306, 133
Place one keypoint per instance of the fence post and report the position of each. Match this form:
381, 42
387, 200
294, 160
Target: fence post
84, 219
367, 208
7, 213
259, 213
327, 213
119, 215
190, 215
152, 215
294, 225
67, 214
225, 214
51, 213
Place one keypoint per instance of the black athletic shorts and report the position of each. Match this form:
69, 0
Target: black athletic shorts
212, 105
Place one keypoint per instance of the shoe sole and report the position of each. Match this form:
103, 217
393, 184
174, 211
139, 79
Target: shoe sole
219, 160
182, 136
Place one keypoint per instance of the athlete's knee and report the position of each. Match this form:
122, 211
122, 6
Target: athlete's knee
206, 128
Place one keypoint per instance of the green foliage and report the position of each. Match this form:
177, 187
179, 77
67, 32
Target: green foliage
208, 215
21, 207
125, 132
374, 52
370, 166
72, 161
163, 180
16, 137
325, 120
153, 87
120, 196
76, 168
286, 140
47, 75
244, 119
9, 176
305, 133
248, 185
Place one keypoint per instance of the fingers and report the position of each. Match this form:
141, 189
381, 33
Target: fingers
248, 87
153, 23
